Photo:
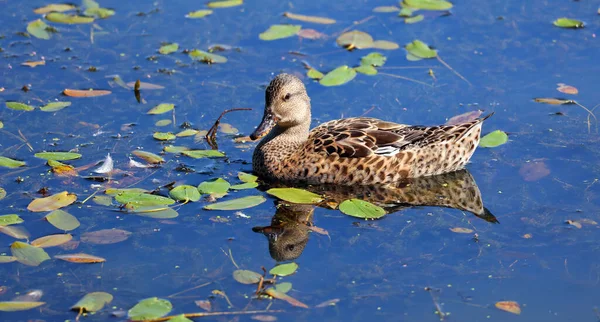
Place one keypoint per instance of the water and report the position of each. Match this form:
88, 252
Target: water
508, 50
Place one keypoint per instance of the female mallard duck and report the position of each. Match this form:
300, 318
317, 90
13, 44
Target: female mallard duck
357, 150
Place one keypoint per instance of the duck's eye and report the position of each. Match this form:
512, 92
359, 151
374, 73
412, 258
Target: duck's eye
287, 96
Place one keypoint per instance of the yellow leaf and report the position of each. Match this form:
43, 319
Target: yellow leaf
509, 306
53, 202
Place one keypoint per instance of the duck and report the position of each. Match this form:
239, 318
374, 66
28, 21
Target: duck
351, 151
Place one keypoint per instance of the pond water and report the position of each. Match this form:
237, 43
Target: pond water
537, 243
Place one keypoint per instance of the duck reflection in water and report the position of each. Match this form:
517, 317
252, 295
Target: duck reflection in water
290, 227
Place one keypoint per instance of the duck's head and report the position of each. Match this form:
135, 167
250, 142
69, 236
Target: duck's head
286, 104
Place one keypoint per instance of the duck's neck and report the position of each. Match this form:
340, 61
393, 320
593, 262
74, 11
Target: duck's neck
274, 150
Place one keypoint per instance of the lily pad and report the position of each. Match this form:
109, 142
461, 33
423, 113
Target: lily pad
415, 19
386, 9
338, 76
6, 220
217, 186
10, 163
185, 193
58, 156
361, 209
151, 308
568, 23
149, 156
373, 59
92, 302
168, 49
197, 154
164, 136
284, 269
355, 39
13, 306
428, 4
143, 199
105, 236
27, 254
62, 220
52, 240
366, 69
295, 195
313, 19
18, 232
199, 13
186, 133
493, 139
60, 17
56, 201
101, 13
7, 259
19, 106
246, 277
314, 74
58, 7
161, 108
224, 3
154, 212
237, 204
247, 185
283, 287
385, 45
55, 106
420, 50
38, 29
206, 57
279, 32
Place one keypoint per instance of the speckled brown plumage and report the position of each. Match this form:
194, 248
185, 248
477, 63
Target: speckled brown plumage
354, 150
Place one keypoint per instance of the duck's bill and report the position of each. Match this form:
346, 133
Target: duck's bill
265, 126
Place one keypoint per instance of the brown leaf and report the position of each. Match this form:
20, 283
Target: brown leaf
64, 170
204, 304
574, 223
527, 236
34, 63
533, 171
461, 230
80, 258
105, 236
567, 89
282, 296
553, 101
311, 34
52, 240
53, 202
85, 93
509, 306
71, 245
465, 117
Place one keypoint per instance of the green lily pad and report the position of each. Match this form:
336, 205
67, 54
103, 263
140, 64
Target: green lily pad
428, 4
38, 29
224, 3
58, 156
164, 122
295, 195
2, 193
373, 59
143, 199
59, 7
155, 212
62, 220
247, 177
206, 57
385, 45
415, 19
386, 9
237, 204
217, 186
314, 74
168, 49
101, 13
420, 49
175, 148
103, 200
338, 76
10, 163
164, 136
6, 220
19, 106
60, 17
355, 39
568, 23
185, 193
283, 287
92, 302
366, 69
27, 254
55, 106
246, 185
199, 13
197, 154
361, 209
493, 139
180, 318
149, 156
7, 259
161, 108
114, 192
151, 308
279, 32
13, 306
406, 12
246, 277
284, 269
186, 133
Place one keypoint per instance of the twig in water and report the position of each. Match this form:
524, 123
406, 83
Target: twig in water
438, 308
204, 314
452, 70
406, 78
211, 136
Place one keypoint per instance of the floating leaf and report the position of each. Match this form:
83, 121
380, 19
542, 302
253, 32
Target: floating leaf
553, 101
279, 32
180, 318
153, 212
227, 128
465, 117
224, 4
34, 63
533, 171
163, 122
509, 306
62, 220
366, 69
428, 4
386, 9
247, 177
10, 163
567, 89
282, 296
199, 13
52, 240
373, 59
246, 277
17, 232
144, 85
101, 13
58, 156
361, 209
314, 74
54, 106
461, 230
60, 17
19, 106
85, 93
385, 45
185, 193
27, 254
327, 303
247, 185
574, 223
338, 76
56, 201
295, 195
186, 133
420, 49
103, 200
414, 19
38, 29
92, 302
151, 308
568, 23
60, 7
321, 20
6, 220
217, 186
143, 199
206, 57
283, 287
355, 39
80, 258
164, 136
13, 306
237, 204
114, 192
161, 108
284, 269
175, 149
311, 34
493, 139
197, 154
149, 156
2, 193
7, 259
168, 49
105, 236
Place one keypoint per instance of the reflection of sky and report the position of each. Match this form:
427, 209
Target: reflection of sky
509, 61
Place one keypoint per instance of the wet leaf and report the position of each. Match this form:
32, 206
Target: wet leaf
314, 74
461, 230
509, 306
186, 133
199, 13
206, 57
282, 296
62, 220
327, 303
52, 240
237, 204
149, 156
153, 212
180, 318
114, 192
279, 32
553, 101
103, 200
34, 63
163, 123
574, 223
80, 258
361, 209
247, 177
373, 59
284, 269
105, 236
92, 302
228, 128
10, 163
7, 220
143, 199
385, 45
60, 7
320, 20
60, 17
17, 232
2, 193
311, 34
355, 39
428, 4
533, 171
283, 287
168, 49
151, 308
7, 259
56, 201
386, 9
58, 156
420, 49
13, 306
568, 23
414, 19
55, 106
493, 139
203, 304
465, 117
161, 108
37, 28
567, 89
175, 149
27, 254
247, 185
30, 296
19, 106
366, 69
185, 193
295, 195
101, 13
197, 154
224, 3
338, 76
218, 186
246, 277
164, 136
144, 85
85, 93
